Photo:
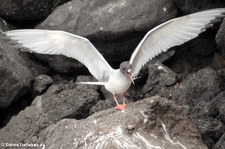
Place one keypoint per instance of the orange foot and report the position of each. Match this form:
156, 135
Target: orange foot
120, 107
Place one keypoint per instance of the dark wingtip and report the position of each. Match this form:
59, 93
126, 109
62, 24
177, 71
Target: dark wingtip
212, 22
2, 34
208, 26
216, 20
8, 40
221, 16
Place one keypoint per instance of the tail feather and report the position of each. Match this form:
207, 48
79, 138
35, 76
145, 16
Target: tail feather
91, 83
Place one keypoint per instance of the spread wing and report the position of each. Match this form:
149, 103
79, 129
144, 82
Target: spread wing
62, 43
172, 33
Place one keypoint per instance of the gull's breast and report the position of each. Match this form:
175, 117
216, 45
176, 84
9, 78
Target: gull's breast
118, 83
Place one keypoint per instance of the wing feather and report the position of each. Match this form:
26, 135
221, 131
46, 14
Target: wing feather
172, 33
62, 43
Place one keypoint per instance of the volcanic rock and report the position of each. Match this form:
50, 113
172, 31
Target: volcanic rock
59, 102
16, 77
210, 120
27, 10
151, 123
191, 6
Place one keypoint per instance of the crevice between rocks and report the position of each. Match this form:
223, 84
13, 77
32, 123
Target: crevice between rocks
101, 95
7, 113
84, 112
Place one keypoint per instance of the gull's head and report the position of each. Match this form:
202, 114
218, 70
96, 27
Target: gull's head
125, 68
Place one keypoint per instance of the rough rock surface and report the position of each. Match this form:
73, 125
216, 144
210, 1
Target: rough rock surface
4, 25
63, 64
108, 24
28, 9
216, 106
197, 91
197, 87
101, 17
69, 101
160, 79
210, 120
15, 77
60, 101
200, 86
190, 6
41, 83
221, 143
220, 40
151, 123
23, 127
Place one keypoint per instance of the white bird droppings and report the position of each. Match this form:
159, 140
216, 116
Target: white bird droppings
4, 22
95, 122
167, 137
160, 67
147, 142
145, 116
